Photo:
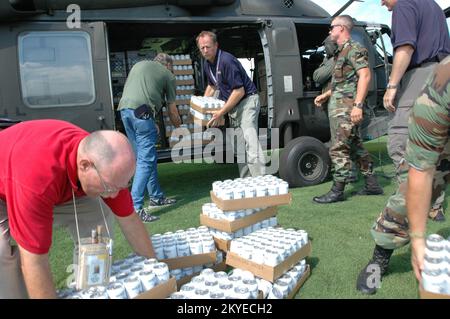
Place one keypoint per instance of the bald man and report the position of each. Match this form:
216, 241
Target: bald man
47, 168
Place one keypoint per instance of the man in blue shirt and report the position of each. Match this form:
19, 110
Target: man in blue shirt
226, 74
420, 39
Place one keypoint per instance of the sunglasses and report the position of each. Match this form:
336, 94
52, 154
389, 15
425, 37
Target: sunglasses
335, 25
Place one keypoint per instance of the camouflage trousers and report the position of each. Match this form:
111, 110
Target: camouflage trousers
390, 230
347, 147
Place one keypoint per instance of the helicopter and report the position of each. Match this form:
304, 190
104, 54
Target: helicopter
69, 61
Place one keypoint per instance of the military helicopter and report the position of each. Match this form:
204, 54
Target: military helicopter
70, 61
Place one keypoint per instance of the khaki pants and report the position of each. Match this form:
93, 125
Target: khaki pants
89, 216
244, 119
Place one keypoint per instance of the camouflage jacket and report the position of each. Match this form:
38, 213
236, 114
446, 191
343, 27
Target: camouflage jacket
350, 57
429, 122
323, 73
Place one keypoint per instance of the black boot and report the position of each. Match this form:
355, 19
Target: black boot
371, 186
336, 194
369, 279
437, 214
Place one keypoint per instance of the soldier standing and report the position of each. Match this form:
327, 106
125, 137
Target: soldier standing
428, 156
322, 76
350, 81
420, 39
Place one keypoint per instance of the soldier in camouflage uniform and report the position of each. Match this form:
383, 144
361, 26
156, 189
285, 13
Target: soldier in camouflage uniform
351, 77
419, 42
428, 156
322, 76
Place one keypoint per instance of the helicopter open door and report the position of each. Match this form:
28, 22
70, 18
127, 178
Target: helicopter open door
56, 72
283, 67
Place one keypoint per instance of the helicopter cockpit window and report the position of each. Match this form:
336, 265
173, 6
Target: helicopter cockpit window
56, 69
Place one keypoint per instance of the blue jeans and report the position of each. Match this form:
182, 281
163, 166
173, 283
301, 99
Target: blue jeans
143, 135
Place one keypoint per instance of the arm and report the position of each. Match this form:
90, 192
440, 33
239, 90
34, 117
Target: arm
418, 199
361, 93
37, 274
323, 74
233, 100
173, 115
322, 98
209, 91
402, 58
137, 235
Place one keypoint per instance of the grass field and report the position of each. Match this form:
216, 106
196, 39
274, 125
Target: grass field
339, 232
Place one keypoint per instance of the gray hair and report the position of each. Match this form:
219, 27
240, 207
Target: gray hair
164, 59
99, 148
346, 21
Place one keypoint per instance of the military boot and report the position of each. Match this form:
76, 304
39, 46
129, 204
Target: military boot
369, 279
336, 194
371, 186
437, 214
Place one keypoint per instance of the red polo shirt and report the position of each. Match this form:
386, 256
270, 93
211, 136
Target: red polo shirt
38, 171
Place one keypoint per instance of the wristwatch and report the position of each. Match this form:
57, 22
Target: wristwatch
359, 105
391, 86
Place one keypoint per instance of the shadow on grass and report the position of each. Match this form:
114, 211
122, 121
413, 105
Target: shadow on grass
444, 232
188, 183
313, 262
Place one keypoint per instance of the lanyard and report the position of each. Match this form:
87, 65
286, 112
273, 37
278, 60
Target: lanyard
76, 219
216, 83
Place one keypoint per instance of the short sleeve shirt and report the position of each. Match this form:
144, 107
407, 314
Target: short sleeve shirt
38, 170
429, 123
151, 83
345, 77
228, 74
421, 24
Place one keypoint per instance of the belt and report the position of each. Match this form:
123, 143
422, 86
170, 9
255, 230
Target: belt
254, 93
429, 60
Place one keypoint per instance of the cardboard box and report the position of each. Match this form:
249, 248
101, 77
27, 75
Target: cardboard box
235, 225
202, 110
184, 92
219, 267
205, 122
183, 72
185, 82
222, 244
182, 62
190, 261
255, 202
161, 291
182, 102
266, 272
300, 283
431, 295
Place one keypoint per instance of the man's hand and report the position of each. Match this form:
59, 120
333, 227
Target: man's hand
417, 256
388, 99
319, 100
214, 122
157, 127
356, 115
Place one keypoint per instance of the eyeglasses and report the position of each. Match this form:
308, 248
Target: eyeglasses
107, 189
335, 25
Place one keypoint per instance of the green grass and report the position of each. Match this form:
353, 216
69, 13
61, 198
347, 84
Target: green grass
339, 232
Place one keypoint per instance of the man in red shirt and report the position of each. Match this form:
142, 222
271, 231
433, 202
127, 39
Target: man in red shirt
47, 167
